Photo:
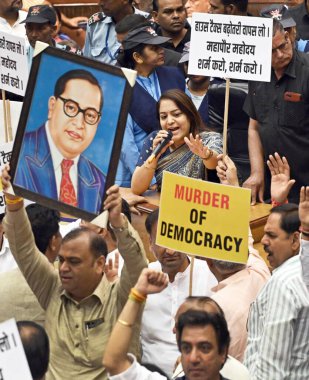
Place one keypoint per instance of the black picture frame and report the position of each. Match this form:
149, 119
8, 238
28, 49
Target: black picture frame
103, 151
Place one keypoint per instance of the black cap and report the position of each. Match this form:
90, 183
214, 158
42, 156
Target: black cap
40, 14
145, 35
185, 53
278, 11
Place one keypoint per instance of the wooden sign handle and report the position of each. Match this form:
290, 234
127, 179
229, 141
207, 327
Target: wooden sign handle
226, 115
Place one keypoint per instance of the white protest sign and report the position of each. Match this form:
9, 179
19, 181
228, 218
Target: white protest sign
5, 156
13, 361
227, 46
14, 70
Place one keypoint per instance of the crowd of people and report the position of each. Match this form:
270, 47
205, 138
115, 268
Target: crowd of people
88, 303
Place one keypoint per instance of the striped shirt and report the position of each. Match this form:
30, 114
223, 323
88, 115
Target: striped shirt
305, 261
278, 327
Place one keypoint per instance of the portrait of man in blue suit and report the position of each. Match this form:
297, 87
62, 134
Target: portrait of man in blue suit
51, 161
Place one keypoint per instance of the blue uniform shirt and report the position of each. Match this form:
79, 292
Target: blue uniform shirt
134, 135
101, 41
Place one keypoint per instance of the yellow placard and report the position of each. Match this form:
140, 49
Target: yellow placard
204, 218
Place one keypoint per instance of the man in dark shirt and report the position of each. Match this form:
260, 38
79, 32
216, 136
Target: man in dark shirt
300, 14
171, 15
279, 117
228, 7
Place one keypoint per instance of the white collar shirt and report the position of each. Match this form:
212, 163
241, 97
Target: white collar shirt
158, 341
7, 261
17, 28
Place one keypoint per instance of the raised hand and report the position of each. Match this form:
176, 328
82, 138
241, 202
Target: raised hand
196, 146
113, 204
281, 183
304, 208
111, 269
151, 281
227, 171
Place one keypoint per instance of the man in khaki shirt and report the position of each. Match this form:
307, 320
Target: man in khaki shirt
81, 306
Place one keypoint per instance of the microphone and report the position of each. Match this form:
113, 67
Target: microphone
160, 146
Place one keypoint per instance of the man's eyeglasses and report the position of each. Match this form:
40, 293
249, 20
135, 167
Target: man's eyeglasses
281, 48
71, 109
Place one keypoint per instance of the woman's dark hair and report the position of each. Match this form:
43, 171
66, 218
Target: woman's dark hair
185, 104
127, 59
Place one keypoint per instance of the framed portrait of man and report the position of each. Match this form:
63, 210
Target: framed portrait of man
70, 132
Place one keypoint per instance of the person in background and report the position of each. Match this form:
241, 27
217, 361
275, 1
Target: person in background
170, 17
36, 346
280, 12
245, 280
228, 7
143, 52
300, 14
201, 6
196, 330
11, 17
279, 117
304, 225
197, 86
143, 5
277, 342
135, 21
162, 307
232, 368
101, 41
81, 306
40, 25
19, 300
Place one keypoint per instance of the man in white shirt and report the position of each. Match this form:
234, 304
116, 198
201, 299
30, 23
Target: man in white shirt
11, 16
158, 341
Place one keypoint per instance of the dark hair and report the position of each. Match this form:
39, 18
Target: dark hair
76, 74
228, 266
44, 223
151, 220
155, 5
131, 22
58, 13
127, 56
197, 318
202, 301
289, 221
97, 245
277, 27
241, 5
36, 346
2, 216
185, 104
